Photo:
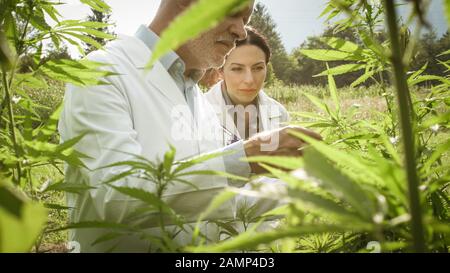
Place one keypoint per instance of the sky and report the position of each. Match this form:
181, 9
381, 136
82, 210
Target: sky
295, 19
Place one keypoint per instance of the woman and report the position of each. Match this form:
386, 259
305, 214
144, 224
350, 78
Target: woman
240, 103
242, 106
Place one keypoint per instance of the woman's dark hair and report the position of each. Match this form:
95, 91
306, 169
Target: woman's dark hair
257, 39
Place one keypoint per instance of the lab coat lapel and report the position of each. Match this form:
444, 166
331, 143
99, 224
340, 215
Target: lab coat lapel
225, 113
158, 77
164, 83
208, 123
215, 99
159, 80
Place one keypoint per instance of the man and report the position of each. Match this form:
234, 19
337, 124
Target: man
141, 112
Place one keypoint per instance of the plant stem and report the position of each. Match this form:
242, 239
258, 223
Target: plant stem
19, 52
160, 190
388, 103
406, 129
12, 124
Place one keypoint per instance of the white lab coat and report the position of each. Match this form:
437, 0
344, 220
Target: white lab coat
272, 115
139, 112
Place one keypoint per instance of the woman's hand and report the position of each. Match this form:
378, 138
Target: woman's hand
278, 142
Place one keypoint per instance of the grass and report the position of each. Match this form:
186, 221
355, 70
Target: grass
57, 218
49, 97
366, 99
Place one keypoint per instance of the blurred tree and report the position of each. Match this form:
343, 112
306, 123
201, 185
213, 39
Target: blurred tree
271, 79
281, 63
429, 49
305, 68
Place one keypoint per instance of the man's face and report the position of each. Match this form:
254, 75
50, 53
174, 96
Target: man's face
209, 49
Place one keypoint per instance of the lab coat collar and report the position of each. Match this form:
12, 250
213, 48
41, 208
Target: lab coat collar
268, 110
139, 55
150, 39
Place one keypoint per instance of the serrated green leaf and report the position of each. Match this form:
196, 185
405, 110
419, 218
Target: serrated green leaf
185, 164
231, 230
78, 23
215, 203
373, 45
342, 187
444, 53
37, 20
440, 119
45, 132
423, 78
107, 237
93, 32
84, 38
81, 73
417, 73
290, 163
341, 45
341, 69
250, 240
317, 102
93, 224
10, 202
329, 55
363, 78
199, 17
98, 5
437, 153
20, 223
6, 53
333, 92
350, 160
146, 197
212, 173
70, 143
69, 187
169, 158
319, 203
50, 10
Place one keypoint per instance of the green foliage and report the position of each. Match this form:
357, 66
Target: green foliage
331, 43
310, 64
197, 19
346, 191
371, 59
101, 17
28, 119
447, 10
155, 211
357, 186
21, 221
428, 52
281, 62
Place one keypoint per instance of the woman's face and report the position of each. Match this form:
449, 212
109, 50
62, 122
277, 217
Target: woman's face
244, 73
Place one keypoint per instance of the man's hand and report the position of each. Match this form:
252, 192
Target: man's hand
282, 144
